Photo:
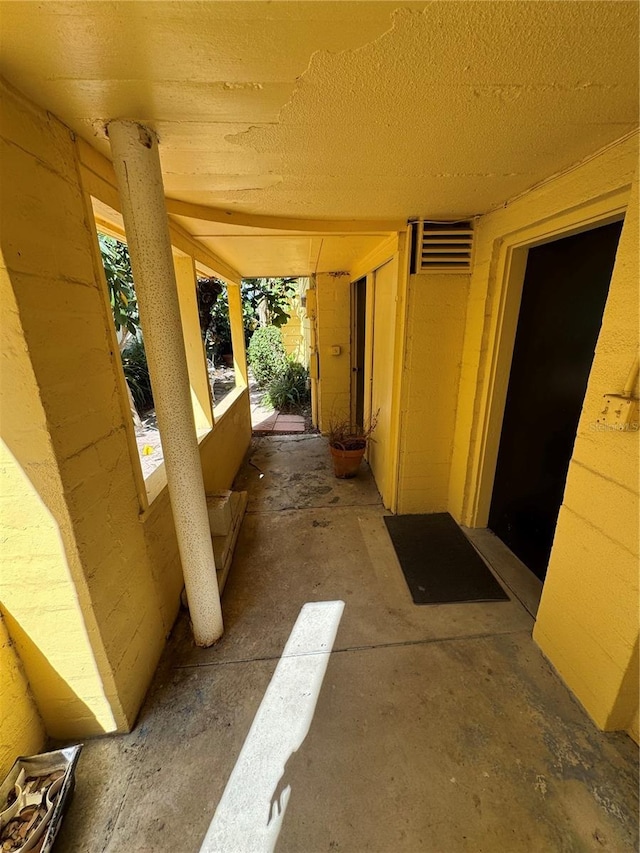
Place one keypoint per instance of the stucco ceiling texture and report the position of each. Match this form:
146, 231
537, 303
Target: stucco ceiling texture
339, 110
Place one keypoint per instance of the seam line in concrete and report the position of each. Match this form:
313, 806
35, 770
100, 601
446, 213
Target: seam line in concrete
111, 829
306, 508
363, 648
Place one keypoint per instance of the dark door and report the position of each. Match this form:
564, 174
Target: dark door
565, 290
360, 296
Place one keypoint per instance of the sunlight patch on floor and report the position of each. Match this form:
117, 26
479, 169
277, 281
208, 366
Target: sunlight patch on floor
252, 808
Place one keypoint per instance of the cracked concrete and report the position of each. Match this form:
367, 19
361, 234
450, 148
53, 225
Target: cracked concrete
437, 728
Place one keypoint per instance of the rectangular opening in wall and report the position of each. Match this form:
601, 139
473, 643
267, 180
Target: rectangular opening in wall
278, 330
129, 337
564, 292
215, 327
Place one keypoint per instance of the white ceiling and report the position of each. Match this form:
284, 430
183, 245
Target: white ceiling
337, 110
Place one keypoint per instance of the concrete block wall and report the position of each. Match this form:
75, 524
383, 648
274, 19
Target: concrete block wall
93, 585
47, 419
293, 332
588, 618
431, 371
22, 731
333, 326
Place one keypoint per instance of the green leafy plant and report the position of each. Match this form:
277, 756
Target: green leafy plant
126, 319
136, 372
290, 390
122, 294
265, 302
267, 355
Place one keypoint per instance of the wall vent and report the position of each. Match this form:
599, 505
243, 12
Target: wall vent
444, 246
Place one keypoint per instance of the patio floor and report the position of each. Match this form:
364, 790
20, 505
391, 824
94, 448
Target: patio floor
436, 728
265, 420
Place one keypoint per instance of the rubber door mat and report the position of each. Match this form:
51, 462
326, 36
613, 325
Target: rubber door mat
439, 563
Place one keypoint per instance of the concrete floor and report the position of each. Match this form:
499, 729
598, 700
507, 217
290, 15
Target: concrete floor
438, 728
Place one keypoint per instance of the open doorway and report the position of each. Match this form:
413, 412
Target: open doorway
565, 290
358, 314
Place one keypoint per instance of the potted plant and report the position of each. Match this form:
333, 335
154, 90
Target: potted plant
348, 444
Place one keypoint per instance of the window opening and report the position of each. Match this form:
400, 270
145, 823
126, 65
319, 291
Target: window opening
130, 338
215, 326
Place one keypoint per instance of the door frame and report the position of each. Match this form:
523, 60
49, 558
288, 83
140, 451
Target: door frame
396, 246
355, 341
510, 258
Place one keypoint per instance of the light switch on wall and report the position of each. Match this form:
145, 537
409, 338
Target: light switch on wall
336, 350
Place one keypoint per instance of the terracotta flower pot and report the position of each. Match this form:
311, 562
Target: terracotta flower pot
346, 462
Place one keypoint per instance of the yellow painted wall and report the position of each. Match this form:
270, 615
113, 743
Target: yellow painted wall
94, 589
431, 372
193, 346
22, 731
223, 450
47, 243
295, 334
588, 619
333, 328
382, 287
634, 726
292, 332
45, 599
238, 343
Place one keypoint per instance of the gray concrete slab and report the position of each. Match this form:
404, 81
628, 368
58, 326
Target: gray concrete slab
294, 472
284, 559
439, 729
513, 573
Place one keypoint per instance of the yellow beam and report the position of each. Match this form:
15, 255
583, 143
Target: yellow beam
98, 180
194, 348
237, 335
283, 223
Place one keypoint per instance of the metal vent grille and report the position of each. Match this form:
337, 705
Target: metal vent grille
444, 247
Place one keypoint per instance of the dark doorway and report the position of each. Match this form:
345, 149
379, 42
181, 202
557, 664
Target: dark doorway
359, 314
564, 294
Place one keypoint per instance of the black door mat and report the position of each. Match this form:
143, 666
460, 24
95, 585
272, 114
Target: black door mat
439, 563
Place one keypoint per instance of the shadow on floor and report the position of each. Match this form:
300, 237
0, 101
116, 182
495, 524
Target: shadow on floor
438, 729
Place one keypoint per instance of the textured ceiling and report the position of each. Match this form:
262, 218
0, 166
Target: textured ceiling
339, 110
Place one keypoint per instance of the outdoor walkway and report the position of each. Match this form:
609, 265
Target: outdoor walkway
265, 420
437, 728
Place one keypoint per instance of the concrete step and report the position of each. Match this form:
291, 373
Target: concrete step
226, 511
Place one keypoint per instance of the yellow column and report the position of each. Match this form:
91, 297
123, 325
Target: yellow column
194, 348
313, 350
137, 167
237, 334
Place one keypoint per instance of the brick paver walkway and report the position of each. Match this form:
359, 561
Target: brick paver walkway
268, 421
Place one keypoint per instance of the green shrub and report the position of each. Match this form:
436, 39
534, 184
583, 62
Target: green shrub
290, 390
267, 355
136, 372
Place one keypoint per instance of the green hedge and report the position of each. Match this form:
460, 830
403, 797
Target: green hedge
267, 355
